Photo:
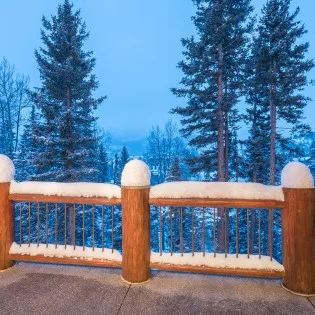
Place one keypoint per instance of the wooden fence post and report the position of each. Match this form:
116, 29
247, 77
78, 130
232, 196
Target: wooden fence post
6, 212
135, 222
298, 232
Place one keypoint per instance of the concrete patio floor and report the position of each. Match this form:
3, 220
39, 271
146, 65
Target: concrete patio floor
29, 288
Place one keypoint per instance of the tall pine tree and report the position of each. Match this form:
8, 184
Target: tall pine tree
116, 170
257, 146
213, 78
65, 100
24, 161
311, 161
102, 164
124, 157
285, 68
174, 174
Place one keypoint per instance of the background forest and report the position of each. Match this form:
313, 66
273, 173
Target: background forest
235, 60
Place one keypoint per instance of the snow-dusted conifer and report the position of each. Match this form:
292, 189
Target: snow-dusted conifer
213, 77
124, 157
174, 171
116, 170
311, 162
102, 164
283, 59
24, 161
257, 117
65, 100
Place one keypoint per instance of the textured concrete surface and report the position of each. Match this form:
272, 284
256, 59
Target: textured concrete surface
51, 289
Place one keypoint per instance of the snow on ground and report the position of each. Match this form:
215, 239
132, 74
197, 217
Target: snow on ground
220, 190
242, 262
69, 252
7, 170
136, 173
66, 189
296, 175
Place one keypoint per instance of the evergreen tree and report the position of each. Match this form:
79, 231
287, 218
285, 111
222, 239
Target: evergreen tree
116, 170
235, 165
284, 69
65, 100
257, 117
311, 162
174, 171
213, 78
102, 165
124, 157
24, 161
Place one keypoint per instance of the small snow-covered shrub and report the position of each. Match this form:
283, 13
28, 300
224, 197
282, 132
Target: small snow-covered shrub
296, 175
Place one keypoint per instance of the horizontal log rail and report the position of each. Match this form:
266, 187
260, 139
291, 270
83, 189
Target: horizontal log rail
62, 199
207, 202
272, 274
66, 261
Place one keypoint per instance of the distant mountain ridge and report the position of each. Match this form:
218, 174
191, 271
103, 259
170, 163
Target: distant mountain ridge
134, 141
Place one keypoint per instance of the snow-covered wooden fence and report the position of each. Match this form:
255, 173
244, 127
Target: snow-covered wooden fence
85, 208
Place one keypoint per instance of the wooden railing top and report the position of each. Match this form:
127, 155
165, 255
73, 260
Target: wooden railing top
173, 202
62, 199
209, 202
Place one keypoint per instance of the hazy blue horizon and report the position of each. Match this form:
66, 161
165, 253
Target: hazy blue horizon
137, 47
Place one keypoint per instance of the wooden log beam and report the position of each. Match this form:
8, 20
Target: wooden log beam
273, 274
62, 199
66, 261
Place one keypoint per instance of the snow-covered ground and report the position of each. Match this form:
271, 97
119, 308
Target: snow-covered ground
219, 190
220, 261
66, 189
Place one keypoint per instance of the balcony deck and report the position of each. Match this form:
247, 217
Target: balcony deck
29, 288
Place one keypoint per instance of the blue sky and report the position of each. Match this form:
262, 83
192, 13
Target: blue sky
137, 47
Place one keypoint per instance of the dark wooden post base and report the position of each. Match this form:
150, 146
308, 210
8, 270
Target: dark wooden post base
298, 228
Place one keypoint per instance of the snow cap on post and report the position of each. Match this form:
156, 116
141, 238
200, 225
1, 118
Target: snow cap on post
7, 169
136, 173
296, 175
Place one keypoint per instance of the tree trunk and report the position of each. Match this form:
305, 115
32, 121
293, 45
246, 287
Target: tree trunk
69, 164
220, 162
69, 167
273, 125
226, 147
254, 162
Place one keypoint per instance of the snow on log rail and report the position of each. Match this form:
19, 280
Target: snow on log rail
254, 266
75, 193
217, 190
79, 256
87, 190
217, 194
